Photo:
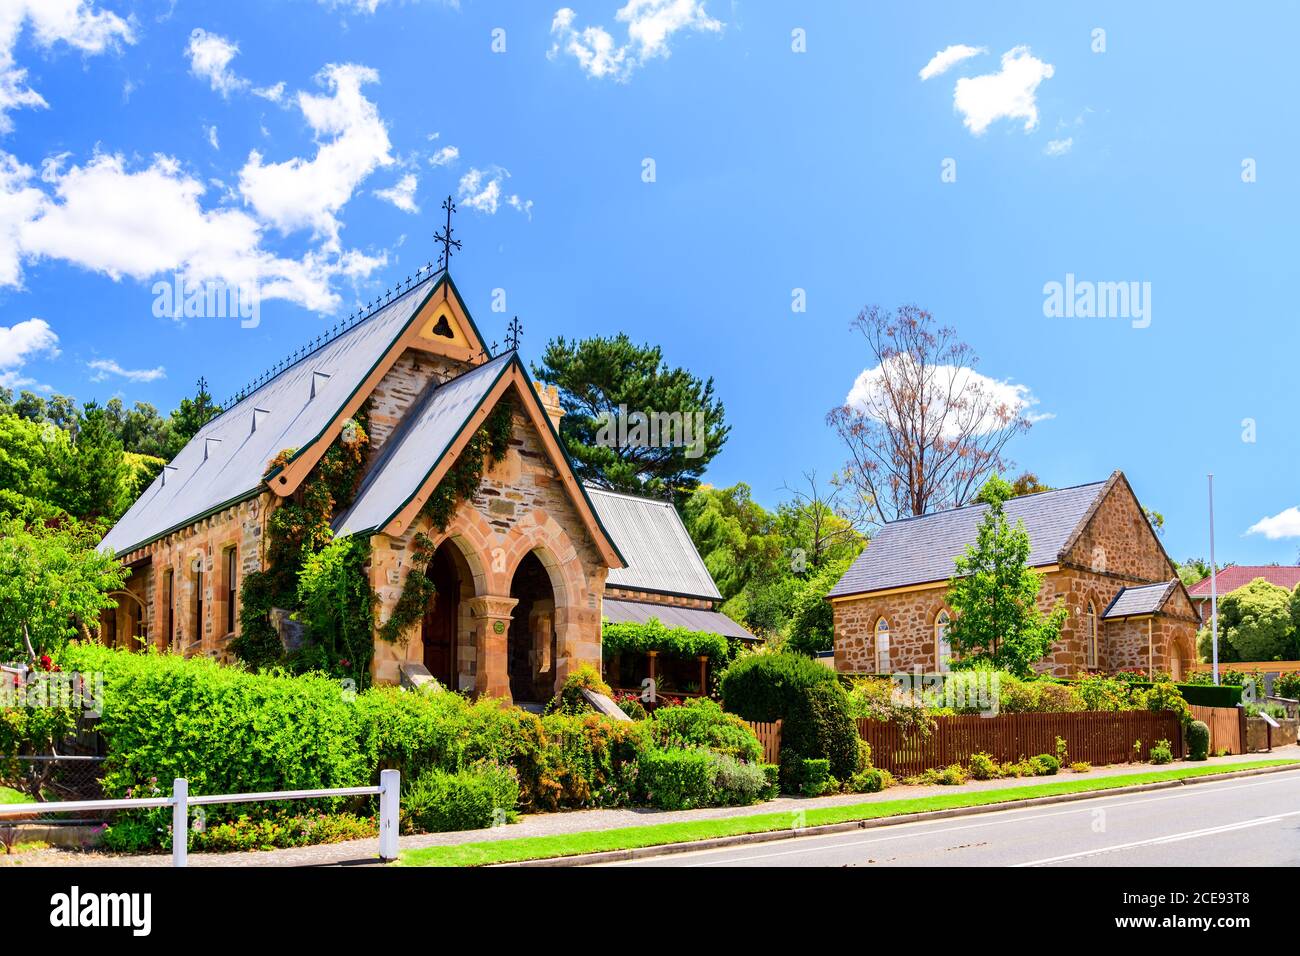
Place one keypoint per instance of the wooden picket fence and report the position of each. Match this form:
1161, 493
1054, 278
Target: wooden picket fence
1227, 727
1098, 738
769, 735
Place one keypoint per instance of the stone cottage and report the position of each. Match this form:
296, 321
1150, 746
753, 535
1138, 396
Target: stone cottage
1098, 555
522, 568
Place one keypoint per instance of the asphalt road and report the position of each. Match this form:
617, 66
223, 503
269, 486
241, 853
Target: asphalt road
1249, 821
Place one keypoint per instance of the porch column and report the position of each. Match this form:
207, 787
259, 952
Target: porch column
491, 616
577, 641
704, 675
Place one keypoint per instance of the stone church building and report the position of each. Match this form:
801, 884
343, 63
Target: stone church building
524, 571
1098, 555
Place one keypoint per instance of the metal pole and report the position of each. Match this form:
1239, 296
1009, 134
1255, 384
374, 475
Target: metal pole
390, 786
1214, 592
180, 821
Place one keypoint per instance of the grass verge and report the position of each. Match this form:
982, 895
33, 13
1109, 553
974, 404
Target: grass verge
573, 844
9, 795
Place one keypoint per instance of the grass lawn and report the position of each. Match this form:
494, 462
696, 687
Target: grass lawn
8, 795
571, 844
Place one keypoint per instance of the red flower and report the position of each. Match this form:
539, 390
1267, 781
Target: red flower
46, 663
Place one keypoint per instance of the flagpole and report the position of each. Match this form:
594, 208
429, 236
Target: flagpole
1214, 591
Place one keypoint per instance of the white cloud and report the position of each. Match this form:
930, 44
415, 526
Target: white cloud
445, 156
1284, 524
20, 343
352, 142
150, 222
1059, 147
481, 190
402, 194
210, 55
74, 22
949, 57
273, 93
650, 26
212, 137
370, 6
106, 367
1007, 94
1002, 398
19, 203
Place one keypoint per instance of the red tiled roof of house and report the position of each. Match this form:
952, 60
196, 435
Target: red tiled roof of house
1229, 579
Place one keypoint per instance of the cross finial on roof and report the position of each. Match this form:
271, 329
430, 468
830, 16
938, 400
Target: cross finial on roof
513, 333
448, 243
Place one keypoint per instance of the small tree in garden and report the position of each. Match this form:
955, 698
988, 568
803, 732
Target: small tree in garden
51, 580
993, 596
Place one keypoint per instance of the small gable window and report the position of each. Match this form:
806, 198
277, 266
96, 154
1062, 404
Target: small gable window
1091, 635
882, 646
942, 646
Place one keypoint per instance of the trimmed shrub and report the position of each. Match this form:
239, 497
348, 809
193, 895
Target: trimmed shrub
765, 687
677, 779
439, 802
868, 781
811, 776
736, 784
1198, 740
819, 725
1160, 752
1080, 766
700, 722
1045, 765
983, 767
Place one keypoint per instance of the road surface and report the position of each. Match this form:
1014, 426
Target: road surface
1250, 821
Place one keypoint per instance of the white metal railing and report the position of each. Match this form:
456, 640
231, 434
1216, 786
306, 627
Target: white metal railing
388, 792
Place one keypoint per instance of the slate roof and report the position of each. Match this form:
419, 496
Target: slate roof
427, 430
225, 462
691, 618
659, 554
921, 550
1229, 579
1146, 599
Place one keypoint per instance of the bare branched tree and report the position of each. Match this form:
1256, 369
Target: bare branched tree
923, 430
831, 514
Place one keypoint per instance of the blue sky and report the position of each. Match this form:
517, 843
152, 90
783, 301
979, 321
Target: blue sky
139, 141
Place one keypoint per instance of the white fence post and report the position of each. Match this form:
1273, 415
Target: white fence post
390, 786
180, 821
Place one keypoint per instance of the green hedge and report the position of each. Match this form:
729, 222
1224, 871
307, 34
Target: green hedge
631, 637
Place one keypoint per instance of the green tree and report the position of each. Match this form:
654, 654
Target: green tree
91, 476
812, 623
188, 417
52, 579
604, 381
1255, 624
993, 595
1028, 484
736, 536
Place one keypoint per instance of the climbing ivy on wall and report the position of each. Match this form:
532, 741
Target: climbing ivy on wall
486, 448
298, 528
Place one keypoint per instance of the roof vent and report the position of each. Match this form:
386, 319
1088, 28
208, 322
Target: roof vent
167, 468
207, 445
318, 379
258, 415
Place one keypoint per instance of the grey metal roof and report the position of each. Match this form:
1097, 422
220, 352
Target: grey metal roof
414, 450
659, 554
921, 550
1146, 599
224, 463
691, 618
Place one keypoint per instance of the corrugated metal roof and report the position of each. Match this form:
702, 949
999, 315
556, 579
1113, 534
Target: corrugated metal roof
1145, 599
659, 554
691, 618
920, 550
1231, 578
226, 460
414, 450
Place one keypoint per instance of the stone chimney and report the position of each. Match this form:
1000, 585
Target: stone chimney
550, 396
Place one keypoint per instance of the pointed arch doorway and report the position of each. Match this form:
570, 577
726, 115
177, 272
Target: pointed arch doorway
531, 638
441, 627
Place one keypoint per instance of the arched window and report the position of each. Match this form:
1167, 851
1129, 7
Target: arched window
882, 646
1091, 635
942, 646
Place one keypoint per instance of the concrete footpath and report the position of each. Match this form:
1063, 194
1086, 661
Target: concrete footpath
579, 821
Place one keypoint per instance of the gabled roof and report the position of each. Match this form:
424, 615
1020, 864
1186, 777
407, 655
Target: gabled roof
227, 460
1231, 578
422, 439
1146, 599
921, 550
659, 553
